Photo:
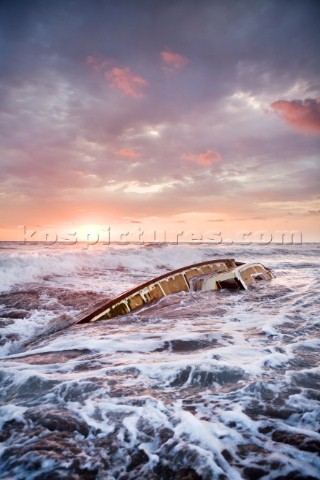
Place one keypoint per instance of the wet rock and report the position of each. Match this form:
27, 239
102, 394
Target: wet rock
33, 387
307, 380
32, 299
181, 378
185, 346
77, 473
253, 473
56, 446
312, 394
26, 300
47, 358
166, 473
244, 450
257, 409
275, 465
58, 420
295, 476
16, 314
266, 429
4, 322
78, 391
9, 337
226, 455
206, 378
298, 440
145, 427
165, 434
138, 458
187, 474
10, 428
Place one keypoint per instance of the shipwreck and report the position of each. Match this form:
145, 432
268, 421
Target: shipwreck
205, 276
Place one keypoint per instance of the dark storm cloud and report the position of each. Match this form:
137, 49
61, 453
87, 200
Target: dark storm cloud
275, 38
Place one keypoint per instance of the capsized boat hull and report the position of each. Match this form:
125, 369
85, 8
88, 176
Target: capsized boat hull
205, 276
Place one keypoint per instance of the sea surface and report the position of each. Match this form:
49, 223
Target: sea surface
216, 385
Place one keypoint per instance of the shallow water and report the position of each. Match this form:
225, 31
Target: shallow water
208, 385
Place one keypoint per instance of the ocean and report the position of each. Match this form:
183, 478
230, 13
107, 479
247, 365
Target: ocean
203, 385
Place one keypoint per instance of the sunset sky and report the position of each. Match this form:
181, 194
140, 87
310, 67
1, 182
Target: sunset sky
187, 115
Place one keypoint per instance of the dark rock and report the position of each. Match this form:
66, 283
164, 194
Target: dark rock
166, 473
226, 455
244, 450
9, 428
253, 473
5, 322
165, 434
185, 346
181, 378
298, 440
295, 476
137, 459
10, 337
265, 430
187, 474
58, 420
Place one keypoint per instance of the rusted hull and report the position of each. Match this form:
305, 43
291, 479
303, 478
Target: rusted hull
204, 276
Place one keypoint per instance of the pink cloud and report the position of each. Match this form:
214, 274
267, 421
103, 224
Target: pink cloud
205, 159
300, 113
128, 153
96, 65
174, 60
124, 80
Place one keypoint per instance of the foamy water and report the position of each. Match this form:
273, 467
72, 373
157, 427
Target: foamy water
215, 385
